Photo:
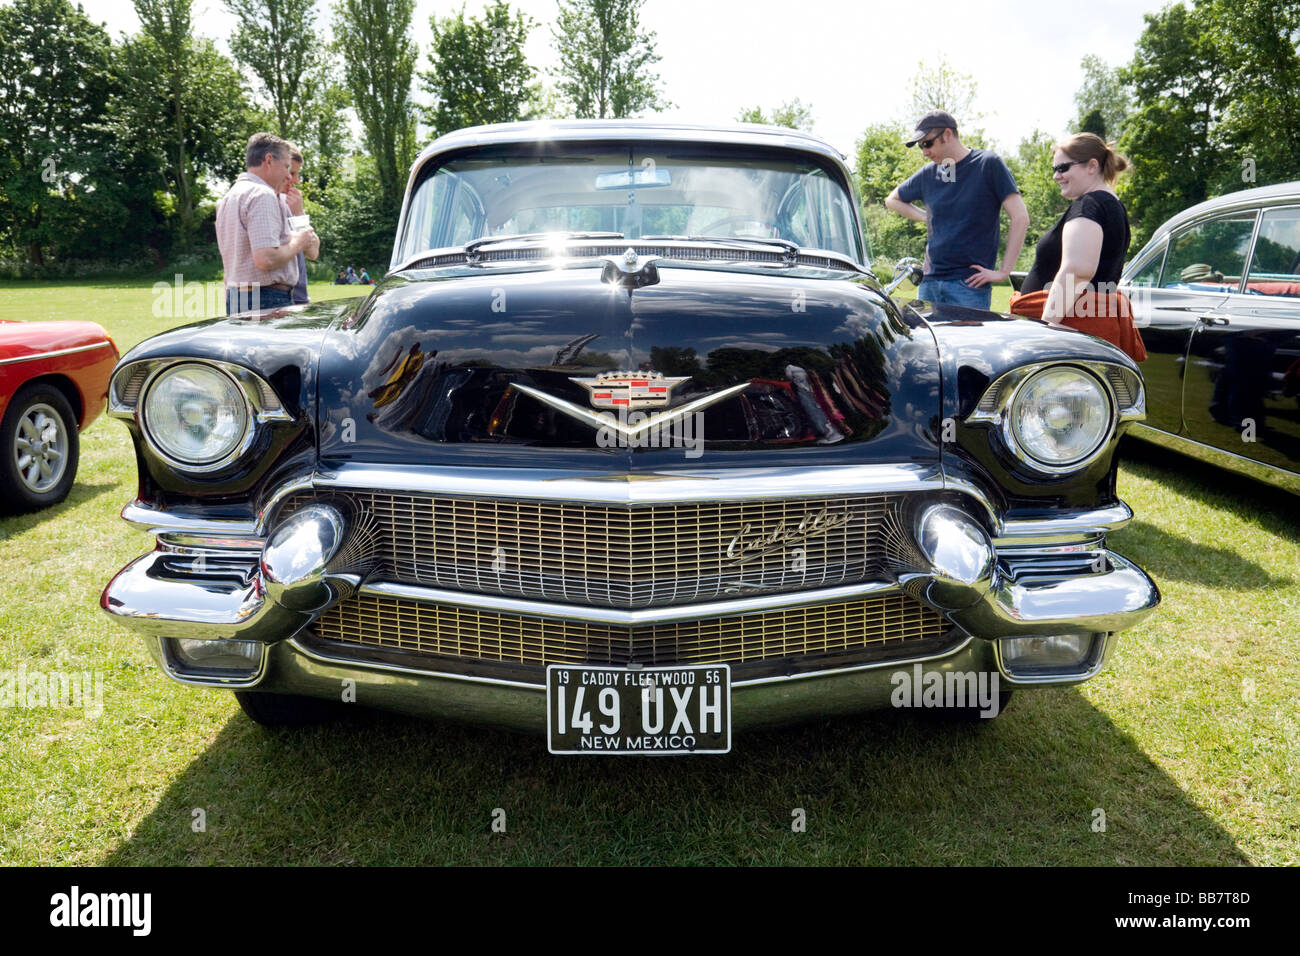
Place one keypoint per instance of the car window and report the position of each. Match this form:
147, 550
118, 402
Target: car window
1209, 256
1275, 264
1149, 275
660, 190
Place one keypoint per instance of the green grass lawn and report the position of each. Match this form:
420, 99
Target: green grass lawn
1188, 741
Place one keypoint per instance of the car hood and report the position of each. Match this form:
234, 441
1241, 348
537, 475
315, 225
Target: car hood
502, 368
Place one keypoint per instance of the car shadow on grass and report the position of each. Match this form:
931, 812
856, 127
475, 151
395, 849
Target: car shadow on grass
15, 524
1051, 781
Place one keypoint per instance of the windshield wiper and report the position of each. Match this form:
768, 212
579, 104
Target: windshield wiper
472, 247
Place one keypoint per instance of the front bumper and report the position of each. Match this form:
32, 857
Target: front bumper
1044, 578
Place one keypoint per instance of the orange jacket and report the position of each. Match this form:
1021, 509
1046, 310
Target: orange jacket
1108, 317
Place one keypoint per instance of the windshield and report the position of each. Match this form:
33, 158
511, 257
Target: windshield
639, 190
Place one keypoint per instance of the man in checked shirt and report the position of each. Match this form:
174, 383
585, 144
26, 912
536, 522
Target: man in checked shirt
258, 253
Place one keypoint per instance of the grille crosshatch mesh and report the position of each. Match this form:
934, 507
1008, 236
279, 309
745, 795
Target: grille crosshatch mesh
624, 557
892, 620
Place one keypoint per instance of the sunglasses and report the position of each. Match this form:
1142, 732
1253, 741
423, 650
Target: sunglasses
1060, 168
927, 143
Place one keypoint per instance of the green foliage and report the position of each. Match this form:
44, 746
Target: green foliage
323, 133
1103, 101
881, 163
1093, 123
1032, 168
55, 81
277, 40
792, 114
1256, 44
354, 226
1171, 138
942, 87
479, 72
606, 61
378, 63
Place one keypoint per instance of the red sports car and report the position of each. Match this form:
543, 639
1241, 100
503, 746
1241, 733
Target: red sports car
53, 383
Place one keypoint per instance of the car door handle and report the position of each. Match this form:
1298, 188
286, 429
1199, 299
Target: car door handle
1213, 319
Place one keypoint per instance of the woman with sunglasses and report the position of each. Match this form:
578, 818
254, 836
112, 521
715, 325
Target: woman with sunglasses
1077, 263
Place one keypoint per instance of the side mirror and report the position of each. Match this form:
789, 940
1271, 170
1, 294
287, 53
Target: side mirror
906, 268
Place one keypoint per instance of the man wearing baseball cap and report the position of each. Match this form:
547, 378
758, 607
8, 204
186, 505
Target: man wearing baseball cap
964, 190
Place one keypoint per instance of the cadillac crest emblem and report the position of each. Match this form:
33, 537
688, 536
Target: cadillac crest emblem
629, 389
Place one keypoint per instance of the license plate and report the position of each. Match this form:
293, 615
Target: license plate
647, 710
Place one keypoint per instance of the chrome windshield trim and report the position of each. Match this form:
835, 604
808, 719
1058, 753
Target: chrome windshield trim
621, 618
1258, 470
54, 354
565, 251
637, 488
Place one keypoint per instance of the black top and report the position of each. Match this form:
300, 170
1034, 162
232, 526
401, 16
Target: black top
1105, 210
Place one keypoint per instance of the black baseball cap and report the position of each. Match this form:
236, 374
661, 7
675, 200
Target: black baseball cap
935, 119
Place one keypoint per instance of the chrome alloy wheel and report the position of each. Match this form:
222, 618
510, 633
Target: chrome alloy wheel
41, 447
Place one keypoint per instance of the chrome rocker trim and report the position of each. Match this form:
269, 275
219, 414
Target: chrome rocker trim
1260, 471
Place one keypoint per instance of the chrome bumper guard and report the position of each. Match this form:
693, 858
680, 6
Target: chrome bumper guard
1032, 578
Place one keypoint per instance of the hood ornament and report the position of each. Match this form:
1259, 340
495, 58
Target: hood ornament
630, 389
630, 270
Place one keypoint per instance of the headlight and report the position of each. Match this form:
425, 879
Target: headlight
195, 415
1060, 417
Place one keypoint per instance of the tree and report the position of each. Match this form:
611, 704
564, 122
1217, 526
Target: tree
55, 81
378, 63
479, 72
193, 123
793, 114
1171, 139
1103, 93
945, 88
1256, 43
277, 40
322, 131
1093, 123
1032, 168
605, 60
164, 50
881, 163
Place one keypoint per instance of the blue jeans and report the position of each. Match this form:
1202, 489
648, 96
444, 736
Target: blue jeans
954, 292
249, 300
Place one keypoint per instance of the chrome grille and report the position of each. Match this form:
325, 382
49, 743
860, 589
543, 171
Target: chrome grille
627, 557
886, 622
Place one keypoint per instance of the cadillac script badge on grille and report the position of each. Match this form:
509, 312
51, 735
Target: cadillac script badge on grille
630, 389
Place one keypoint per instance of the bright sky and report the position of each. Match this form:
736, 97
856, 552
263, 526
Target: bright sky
851, 61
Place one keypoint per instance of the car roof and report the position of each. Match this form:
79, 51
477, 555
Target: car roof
1241, 199
750, 134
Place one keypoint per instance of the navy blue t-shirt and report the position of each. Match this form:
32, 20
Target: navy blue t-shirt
963, 202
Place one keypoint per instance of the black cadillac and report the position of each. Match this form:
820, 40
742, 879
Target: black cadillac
629, 447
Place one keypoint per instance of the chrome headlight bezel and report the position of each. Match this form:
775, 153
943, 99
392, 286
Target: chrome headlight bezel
998, 401
131, 385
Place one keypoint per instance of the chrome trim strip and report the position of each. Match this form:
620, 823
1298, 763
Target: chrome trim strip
1083, 524
639, 488
57, 352
316, 655
398, 668
620, 618
1258, 470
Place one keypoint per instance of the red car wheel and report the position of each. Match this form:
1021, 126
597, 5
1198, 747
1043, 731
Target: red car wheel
38, 438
